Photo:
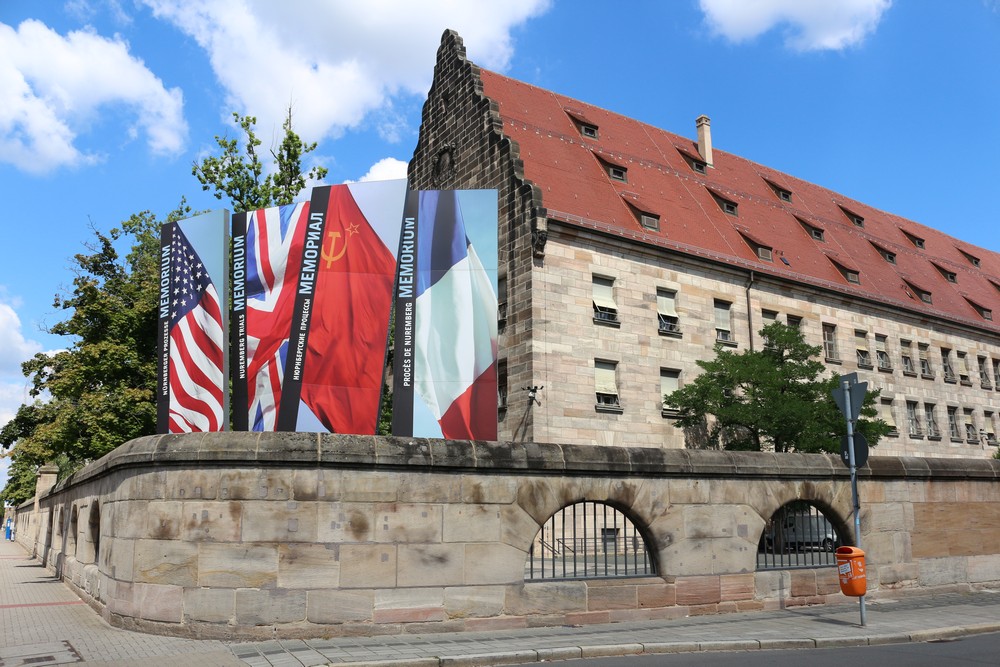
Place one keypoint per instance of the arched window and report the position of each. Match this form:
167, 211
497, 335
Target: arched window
798, 535
71, 534
94, 529
588, 540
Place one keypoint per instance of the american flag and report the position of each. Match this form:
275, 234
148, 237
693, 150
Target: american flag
196, 343
274, 257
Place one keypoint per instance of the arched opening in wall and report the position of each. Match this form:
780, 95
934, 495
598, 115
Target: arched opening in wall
94, 529
588, 540
50, 528
799, 535
74, 525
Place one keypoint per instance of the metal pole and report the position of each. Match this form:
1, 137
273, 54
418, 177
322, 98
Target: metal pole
854, 483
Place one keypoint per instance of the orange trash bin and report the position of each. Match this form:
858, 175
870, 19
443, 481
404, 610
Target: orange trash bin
851, 571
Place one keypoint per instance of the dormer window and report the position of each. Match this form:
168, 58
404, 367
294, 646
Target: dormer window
855, 219
762, 250
649, 220
584, 126
887, 255
950, 276
972, 258
696, 163
618, 173
983, 311
813, 231
916, 292
782, 193
850, 274
727, 205
915, 240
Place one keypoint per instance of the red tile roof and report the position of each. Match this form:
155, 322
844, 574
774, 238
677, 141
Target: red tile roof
576, 188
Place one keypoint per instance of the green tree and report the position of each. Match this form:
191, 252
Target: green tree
238, 174
100, 389
774, 397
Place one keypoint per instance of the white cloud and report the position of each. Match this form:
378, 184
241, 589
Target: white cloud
335, 62
812, 25
14, 349
53, 86
386, 169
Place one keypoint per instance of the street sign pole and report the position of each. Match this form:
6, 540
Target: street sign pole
851, 413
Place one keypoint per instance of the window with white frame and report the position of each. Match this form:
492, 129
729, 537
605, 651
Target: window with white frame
949, 370
989, 427
913, 420
926, 370
830, 342
606, 385
670, 381
723, 322
964, 369
882, 353
954, 429
906, 354
885, 412
861, 343
971, 434
932, 426
605, 308
984, 373
666, 312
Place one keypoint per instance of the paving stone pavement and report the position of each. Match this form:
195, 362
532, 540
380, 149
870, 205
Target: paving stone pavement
42, 623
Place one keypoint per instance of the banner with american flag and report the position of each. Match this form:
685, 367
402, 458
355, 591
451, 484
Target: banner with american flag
193, 393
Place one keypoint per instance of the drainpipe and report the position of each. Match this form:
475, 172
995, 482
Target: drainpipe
749, 311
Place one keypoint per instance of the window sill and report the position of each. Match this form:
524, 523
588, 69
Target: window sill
925, 376
958, 441
909, 374
893, 434
671, 334
885, 369
972, 442
916, 436
726, 343
934, 438
951, 380
666, 413
866, 367
832, 360
987, 387
609, 409
615, 324
966, 383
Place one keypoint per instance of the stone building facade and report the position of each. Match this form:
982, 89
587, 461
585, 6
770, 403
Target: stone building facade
627, 252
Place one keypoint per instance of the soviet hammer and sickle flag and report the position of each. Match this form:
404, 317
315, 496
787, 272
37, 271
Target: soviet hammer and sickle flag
343, 300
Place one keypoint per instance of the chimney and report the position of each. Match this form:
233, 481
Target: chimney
704, 138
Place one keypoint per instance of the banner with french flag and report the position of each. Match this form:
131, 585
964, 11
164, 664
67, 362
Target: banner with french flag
193, 393
445, 356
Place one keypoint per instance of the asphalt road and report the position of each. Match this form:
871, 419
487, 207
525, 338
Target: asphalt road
963, 652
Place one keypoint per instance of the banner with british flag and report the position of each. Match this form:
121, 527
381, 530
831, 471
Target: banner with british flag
193, 323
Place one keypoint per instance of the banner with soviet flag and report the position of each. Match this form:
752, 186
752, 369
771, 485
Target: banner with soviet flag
343, 303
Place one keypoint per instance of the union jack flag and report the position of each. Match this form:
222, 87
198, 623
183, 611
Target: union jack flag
197, 342
274, 256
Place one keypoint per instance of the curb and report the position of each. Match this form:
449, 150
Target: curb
616, 650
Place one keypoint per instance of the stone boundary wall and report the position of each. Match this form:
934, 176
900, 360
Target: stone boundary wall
251, 536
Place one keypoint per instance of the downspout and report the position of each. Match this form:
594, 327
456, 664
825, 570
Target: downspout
749, 312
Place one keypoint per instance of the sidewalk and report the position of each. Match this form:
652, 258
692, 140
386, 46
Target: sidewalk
43, 623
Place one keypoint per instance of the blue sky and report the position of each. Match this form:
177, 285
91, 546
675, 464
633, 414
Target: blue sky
105, 104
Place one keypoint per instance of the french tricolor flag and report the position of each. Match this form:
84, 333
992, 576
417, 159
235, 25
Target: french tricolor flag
454, 324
